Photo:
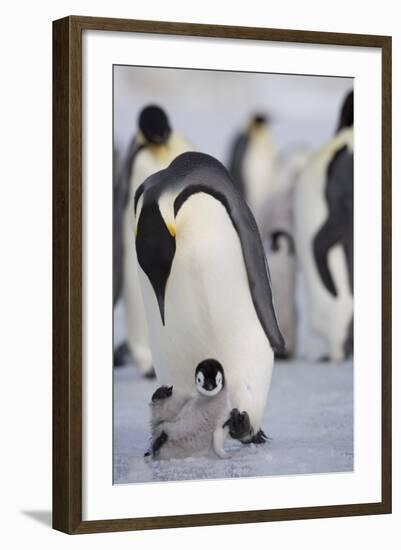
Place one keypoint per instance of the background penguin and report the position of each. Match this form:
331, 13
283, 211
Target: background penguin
205, 282
153, 147
338, 228
281, 254
253, 164
183, 425
324, 235
277, 228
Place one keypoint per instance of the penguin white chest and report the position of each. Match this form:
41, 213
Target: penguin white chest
209, 312
259, 168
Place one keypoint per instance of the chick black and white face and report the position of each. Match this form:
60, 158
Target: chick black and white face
209, 377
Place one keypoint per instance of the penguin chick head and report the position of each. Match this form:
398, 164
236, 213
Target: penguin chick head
209, 377
154, 124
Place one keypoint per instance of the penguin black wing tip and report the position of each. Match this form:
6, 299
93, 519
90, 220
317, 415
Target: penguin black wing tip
279, 346
332, 289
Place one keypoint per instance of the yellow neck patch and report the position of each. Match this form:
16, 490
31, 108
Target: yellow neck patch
171, 229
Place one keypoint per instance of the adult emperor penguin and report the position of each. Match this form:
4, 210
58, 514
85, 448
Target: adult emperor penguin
253, 164
205, 283
324, 235
277, 229
153, 147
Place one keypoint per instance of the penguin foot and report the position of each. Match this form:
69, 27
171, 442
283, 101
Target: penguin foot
159, 442
258, 439
162, 393
122, 355
239, 425
150, 374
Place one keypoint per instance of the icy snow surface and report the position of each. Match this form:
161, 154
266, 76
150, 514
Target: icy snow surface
309, 416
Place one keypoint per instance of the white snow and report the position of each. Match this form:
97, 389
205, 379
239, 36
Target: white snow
309, 416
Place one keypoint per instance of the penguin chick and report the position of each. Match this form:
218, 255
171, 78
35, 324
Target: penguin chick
184, 426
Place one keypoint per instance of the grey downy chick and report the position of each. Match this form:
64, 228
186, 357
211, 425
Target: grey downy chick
186, 426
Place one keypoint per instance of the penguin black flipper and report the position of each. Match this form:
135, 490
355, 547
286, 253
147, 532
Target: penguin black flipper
328, 236
338, 228
236, 162
278, 234
202, 173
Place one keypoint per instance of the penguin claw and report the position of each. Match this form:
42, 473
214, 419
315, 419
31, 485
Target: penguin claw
162, 393
239, 425
260, 438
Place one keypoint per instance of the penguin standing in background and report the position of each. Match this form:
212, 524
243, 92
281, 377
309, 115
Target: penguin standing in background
206, 284
324, 235
154, 146
185, 425
338, 228
277, 229
253, 164
281, 255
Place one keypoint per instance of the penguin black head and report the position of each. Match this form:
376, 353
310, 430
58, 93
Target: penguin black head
259, 119
347, 112
154, 124
209, 377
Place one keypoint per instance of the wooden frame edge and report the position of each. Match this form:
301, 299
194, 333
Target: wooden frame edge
67, 277
229, 518
67, 274
386, 273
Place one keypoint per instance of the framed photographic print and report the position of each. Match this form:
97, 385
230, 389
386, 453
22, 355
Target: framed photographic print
221, 274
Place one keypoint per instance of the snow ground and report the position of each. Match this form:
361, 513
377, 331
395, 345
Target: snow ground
309, 416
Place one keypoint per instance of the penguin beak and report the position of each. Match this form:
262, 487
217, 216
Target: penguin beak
155, 248
160, 301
